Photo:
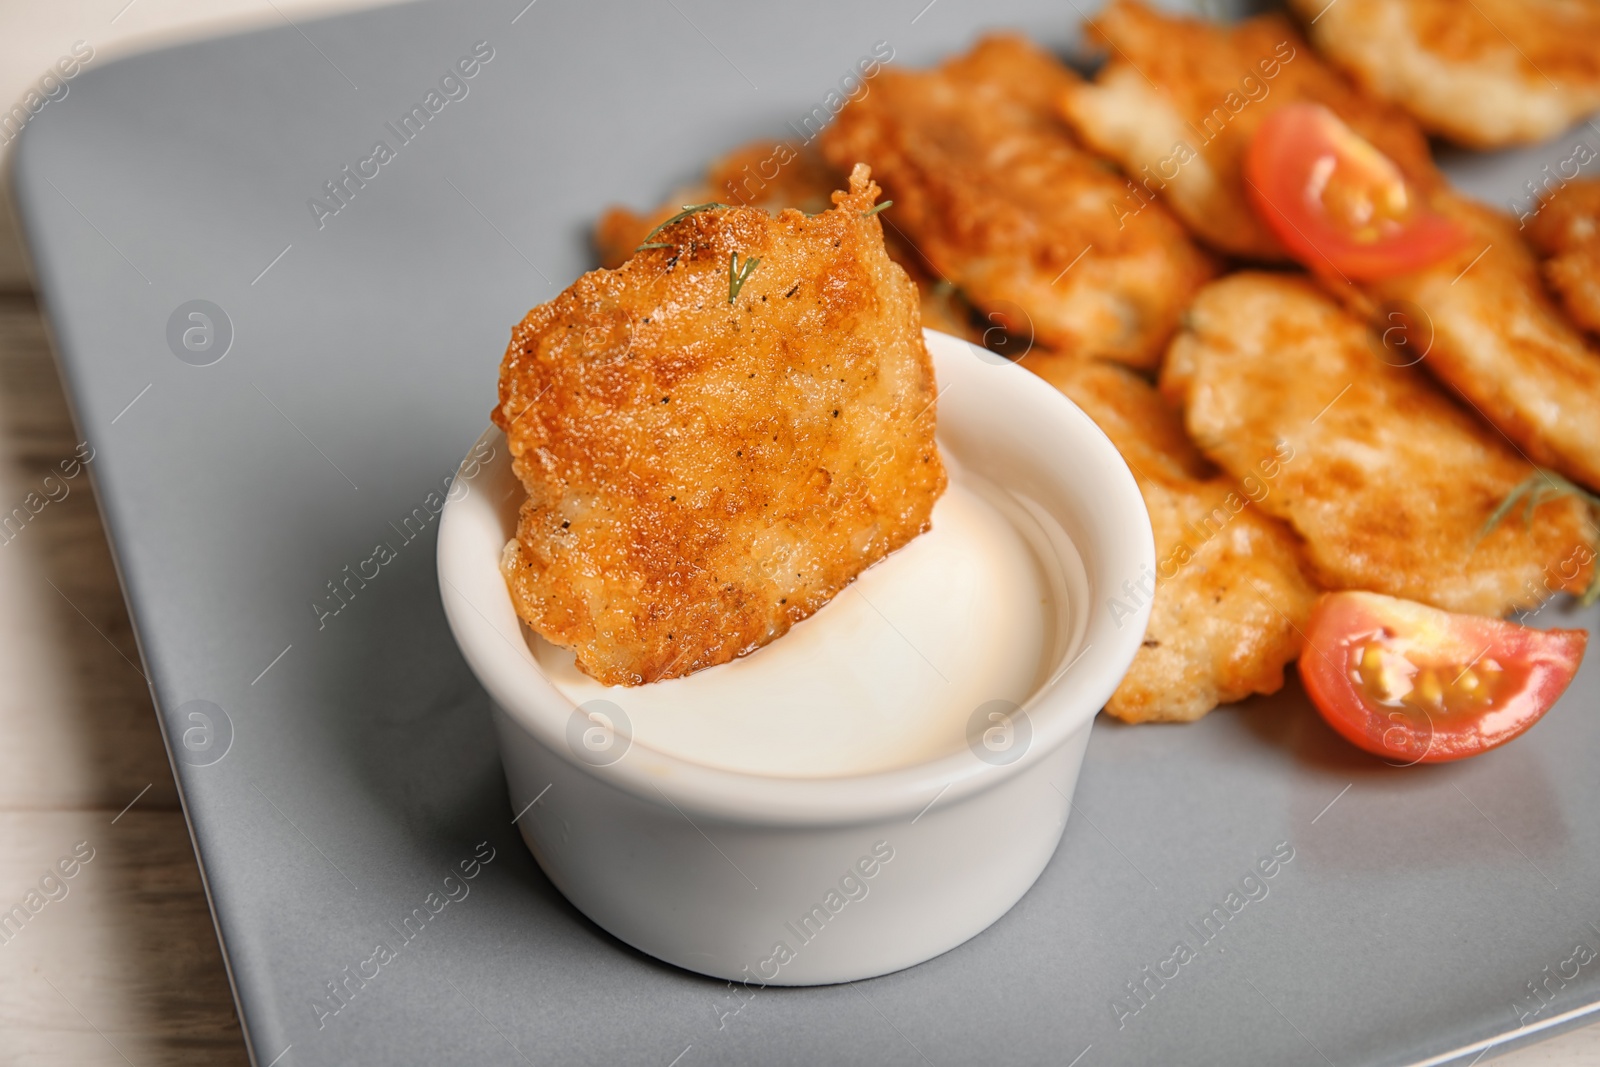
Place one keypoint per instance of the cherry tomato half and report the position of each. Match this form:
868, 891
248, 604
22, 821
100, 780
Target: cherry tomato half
1420, 685
1336, 201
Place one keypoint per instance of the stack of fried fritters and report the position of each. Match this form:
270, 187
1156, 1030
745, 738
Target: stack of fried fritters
1292, 447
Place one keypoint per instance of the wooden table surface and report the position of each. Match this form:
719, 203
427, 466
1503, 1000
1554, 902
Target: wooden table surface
124, 969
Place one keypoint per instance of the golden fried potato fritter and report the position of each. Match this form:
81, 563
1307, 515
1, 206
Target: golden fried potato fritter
990, 186
1179, 99
1230, 591
1498, 341
1566, 229
704, 469
1484, 73
1389, 482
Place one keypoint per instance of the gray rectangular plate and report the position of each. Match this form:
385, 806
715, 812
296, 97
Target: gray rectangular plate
338, 772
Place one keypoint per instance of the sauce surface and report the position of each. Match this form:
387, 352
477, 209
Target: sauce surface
886, 675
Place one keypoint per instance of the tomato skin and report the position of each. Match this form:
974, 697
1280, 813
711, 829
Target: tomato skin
1539, 665
1282, 179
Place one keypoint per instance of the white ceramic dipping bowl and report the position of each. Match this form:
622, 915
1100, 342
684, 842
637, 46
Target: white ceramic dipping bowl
806, 881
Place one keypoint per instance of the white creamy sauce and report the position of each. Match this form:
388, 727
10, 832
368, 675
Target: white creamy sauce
888, 673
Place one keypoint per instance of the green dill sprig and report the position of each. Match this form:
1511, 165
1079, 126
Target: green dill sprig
738, 275
1538, 488
689, 209
875, 208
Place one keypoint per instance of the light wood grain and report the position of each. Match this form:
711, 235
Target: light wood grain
125, 968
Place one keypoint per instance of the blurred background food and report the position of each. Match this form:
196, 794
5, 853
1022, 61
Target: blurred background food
1063, 220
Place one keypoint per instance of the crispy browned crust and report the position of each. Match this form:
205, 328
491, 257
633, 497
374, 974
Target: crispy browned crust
1174, 88
620, 230
1499, 342
702, 475
1566, 230
1388, 482
1230, 591
1486, 73
767, 174
778, 175
990, 186
944, 307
